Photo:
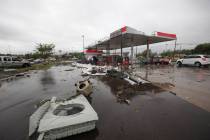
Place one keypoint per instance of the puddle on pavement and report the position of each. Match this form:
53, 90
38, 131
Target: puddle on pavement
189, 83
123, 91
47, 78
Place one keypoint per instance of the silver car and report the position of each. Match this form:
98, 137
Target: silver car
12, 62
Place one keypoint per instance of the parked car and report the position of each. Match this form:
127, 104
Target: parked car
37, 61
11, 61
165, 61
194, 60
160, 60
143, 60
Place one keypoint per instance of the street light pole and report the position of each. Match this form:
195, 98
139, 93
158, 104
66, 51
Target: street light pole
9, 49
174, 49
83, 42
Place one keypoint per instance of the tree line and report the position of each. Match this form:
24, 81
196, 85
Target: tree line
199, 49
45, 50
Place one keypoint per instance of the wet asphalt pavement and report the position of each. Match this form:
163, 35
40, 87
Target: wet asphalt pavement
190, 83
152, 114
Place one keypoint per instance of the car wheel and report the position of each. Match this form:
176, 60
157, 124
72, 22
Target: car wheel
25, 65
197, 64
179, 64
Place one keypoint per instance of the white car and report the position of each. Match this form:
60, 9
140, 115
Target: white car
11, 61
194, 60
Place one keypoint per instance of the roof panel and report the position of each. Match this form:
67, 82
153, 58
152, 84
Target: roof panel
128, 37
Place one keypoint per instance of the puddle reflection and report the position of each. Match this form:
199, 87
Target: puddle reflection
47, 78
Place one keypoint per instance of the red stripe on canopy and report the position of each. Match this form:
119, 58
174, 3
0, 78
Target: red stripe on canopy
166, 35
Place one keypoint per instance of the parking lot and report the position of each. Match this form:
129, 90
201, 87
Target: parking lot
189, 83
152, 113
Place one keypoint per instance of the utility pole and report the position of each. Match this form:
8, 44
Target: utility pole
148, 55
83, 42
136, 51
9, 49
121, 45
180, 50
174, 49
131, 55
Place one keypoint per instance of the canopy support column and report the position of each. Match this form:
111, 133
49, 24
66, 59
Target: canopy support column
107, 50
131, 55
121, 45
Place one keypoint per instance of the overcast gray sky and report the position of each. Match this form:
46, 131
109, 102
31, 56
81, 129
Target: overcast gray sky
23, 23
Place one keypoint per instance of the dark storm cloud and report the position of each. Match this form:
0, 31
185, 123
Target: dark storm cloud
26, 22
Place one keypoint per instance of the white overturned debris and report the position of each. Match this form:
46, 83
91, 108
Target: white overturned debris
36, 117
130, 81
64, 118
92, 70
136, 79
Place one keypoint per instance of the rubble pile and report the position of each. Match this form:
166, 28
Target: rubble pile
125, 91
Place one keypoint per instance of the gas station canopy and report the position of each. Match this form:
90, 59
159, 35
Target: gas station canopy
129, 37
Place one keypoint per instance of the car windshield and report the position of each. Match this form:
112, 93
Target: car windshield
16, 59
206, 56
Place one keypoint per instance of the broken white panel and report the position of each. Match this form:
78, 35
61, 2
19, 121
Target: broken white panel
36, 117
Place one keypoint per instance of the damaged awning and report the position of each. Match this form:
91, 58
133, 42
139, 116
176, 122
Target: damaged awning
128, 37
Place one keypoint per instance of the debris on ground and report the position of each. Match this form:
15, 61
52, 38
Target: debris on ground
20, 75
166, 86
73, 64
84, 87
84, 74
129, 85
135, 77
130, 81
36, 117
69, 70
56, 119
116, 74
94, 71
172, 93
13, 77
8, 70
124, 91
127, 101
